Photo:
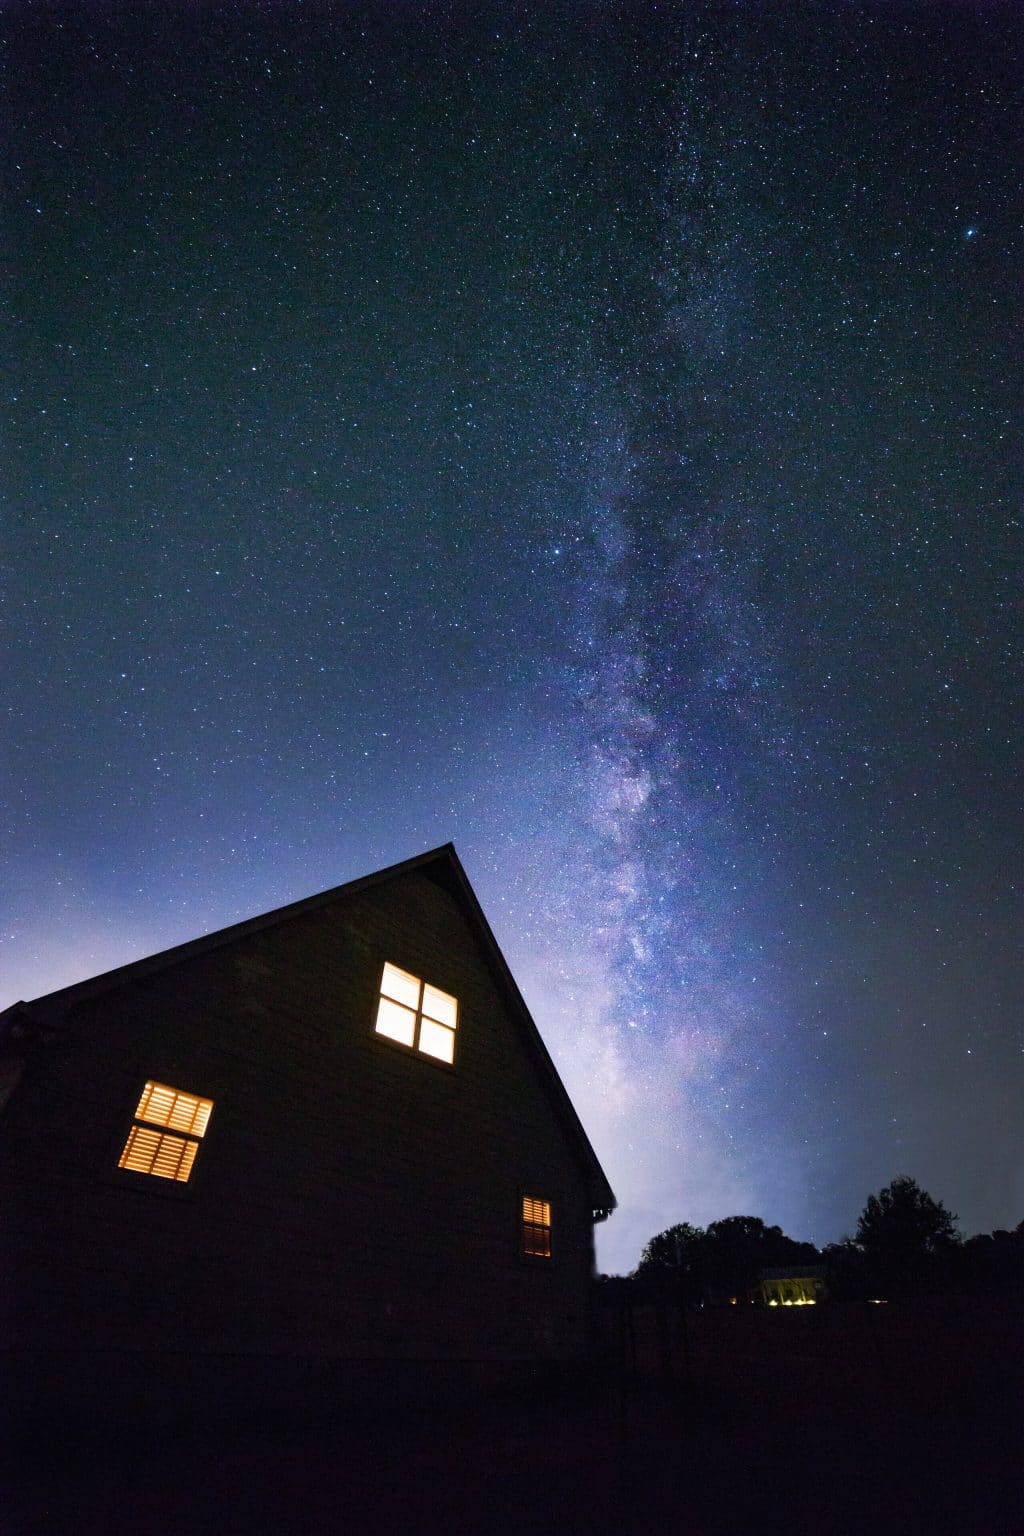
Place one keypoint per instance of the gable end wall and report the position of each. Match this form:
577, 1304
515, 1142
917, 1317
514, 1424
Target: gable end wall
352, 1200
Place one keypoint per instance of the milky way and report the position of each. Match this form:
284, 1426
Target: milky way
585, 434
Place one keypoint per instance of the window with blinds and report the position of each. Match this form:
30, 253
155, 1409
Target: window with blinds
164, 1138
536, 1227
412, 1012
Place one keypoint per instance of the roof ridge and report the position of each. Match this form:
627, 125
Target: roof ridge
49, 1009
103, 981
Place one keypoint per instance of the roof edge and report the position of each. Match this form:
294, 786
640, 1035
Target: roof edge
58, 1002
50, 1008
509, 984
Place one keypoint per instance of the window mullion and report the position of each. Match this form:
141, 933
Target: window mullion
404, 997
174, 1148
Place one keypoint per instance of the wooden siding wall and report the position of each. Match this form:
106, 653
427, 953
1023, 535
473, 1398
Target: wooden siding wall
351, 1199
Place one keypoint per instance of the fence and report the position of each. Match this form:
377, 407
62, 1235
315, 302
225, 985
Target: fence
935, 1354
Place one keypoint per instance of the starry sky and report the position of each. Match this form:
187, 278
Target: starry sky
587, 432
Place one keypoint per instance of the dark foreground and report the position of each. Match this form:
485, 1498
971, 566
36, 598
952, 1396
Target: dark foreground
742, 1425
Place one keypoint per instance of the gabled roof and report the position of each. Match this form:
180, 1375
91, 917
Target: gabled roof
44, 1014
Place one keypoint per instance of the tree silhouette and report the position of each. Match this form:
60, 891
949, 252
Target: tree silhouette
672, 1263
725, 1260
905, 1240
740, 1247
676, 1248
903, 1233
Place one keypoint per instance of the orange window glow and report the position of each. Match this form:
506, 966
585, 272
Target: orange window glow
536, 1227
414, 1013
167, 1153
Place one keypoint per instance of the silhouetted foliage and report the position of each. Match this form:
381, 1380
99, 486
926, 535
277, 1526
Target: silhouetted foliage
722, 1261
905, 1235
847, 1276
992, 1261
905, 1241
740, 1247
676, 1251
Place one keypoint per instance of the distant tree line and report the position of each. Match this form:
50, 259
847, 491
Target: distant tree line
905, 1242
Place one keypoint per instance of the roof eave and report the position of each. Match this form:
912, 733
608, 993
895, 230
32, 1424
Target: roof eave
52, 1008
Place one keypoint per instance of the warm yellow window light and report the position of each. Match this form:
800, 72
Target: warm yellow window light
165, 1153
791, 1290
414, 1013
536, 1227
160, 1105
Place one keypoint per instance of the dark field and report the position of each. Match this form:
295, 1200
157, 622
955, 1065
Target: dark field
833, 1420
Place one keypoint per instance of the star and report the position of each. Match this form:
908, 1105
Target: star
565, 488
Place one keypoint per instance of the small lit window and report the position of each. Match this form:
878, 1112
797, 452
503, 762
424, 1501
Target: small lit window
416, 1014
536, 1227
165, 1153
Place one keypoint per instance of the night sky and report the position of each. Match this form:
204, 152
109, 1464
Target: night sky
589, 433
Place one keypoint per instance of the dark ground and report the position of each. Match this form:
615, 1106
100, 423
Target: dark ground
836, 1424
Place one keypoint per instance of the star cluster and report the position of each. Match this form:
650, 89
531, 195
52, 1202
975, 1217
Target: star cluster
583, 432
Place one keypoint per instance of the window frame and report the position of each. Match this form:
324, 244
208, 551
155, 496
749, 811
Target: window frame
152, 1183
419, 1017
525, 1255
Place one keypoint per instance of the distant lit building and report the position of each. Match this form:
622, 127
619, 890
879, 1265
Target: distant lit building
803, 1286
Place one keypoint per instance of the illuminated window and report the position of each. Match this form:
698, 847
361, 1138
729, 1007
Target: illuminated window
536, 1227
167, 1153
415, 1013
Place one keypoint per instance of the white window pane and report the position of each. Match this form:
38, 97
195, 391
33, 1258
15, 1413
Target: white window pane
400, 986
396, 1022
438, 1005
437, 1041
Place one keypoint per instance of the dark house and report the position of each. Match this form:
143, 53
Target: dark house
323, 1141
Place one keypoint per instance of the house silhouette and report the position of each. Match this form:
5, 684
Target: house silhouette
324, 1144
